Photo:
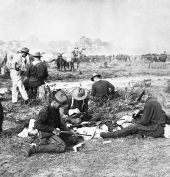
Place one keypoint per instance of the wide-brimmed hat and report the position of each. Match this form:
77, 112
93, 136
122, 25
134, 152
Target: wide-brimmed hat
37, 55
79, 93
95, 75
59, 96
25, 50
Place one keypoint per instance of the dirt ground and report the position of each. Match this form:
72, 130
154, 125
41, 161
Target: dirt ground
123, 157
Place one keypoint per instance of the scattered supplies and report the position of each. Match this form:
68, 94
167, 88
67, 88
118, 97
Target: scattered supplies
86, 132
125, 119
167, 131
77, 147
107, 142
126, 124
29, 131
116, 128
3, 91
24, 133
73, 111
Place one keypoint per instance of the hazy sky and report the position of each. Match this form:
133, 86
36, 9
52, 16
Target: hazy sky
134, 25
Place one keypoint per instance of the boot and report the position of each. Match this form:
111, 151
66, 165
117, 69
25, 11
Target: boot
31, 150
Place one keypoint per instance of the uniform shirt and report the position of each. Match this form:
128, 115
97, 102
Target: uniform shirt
102, 88
49, 119
37, 73
152, 113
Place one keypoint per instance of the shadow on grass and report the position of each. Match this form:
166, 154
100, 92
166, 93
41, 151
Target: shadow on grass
12, 131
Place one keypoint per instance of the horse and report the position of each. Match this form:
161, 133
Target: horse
60, 62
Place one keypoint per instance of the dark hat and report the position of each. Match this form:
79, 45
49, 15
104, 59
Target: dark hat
25, 50
59, 96
79, 93
37, 54
95, 75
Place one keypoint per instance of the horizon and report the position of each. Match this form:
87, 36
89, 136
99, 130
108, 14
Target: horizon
135, 26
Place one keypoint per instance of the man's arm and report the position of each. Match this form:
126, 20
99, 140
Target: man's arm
41, 120
85, 109
63, 125
45, 72
111, 88
27, 73
93, 91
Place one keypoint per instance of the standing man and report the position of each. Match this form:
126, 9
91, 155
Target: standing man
36, 73
17, 66
49, 123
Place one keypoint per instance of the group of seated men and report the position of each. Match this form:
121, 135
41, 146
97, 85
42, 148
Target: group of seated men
51, 125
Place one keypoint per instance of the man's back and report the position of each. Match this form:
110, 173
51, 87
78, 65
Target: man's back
153, 113
101, 88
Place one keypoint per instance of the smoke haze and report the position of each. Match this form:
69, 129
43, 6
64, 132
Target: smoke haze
135, 26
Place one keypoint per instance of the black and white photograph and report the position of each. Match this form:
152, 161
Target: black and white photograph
84, 88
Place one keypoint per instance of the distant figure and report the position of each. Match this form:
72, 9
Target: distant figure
17, 65
151, 123
36, 74
101, 89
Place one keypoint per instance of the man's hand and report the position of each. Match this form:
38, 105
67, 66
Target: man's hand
56, 131
65, 117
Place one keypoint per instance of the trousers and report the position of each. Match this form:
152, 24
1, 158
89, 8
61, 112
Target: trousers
18, 85
55, 144
51, 144
151, 130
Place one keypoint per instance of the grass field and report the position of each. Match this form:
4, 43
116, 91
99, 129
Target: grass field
120, 158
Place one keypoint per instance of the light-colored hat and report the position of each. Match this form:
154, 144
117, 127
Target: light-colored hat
95, 75
79, 93
37, 54
25, 50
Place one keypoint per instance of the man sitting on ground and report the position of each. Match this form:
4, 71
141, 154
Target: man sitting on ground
49, 123
101, 89
78, 106
152, 121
